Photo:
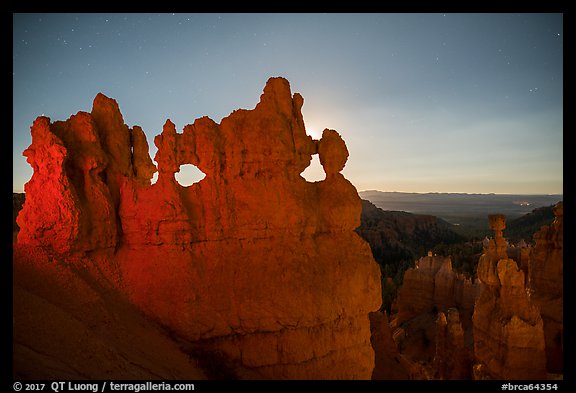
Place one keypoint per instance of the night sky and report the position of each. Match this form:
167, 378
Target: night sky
425, 102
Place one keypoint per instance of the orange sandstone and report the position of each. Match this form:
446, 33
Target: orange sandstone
507, 326
545, 281
253, 262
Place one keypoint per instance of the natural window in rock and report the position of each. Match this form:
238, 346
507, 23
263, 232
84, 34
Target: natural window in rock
188, 175
314, 171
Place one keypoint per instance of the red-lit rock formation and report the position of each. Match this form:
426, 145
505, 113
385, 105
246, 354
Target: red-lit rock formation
69, 323
546, 285
508, 328
254, 262
80, 165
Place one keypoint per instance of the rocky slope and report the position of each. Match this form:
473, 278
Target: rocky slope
396, 235
524, 227
253, 263
70, 323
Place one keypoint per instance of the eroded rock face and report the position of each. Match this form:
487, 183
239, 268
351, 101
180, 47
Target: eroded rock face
433, 286
508, 328
453, 358
390, 364
416, 296
546, 274
433, 324
253, 261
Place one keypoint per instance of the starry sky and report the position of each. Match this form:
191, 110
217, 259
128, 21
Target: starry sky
425, 102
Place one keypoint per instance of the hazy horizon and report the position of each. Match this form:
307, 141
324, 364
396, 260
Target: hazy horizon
458, 103
431, 192
454, 192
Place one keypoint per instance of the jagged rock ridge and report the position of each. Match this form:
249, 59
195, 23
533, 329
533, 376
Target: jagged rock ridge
254, 262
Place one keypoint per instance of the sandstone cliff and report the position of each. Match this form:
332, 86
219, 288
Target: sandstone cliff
253, 262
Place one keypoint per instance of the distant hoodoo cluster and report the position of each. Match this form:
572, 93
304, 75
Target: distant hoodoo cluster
505, 324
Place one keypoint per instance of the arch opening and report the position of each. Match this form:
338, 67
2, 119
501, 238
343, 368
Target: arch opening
314, 172
189, 174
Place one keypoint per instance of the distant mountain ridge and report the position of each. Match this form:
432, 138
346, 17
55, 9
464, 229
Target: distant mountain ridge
411, 199
469, 211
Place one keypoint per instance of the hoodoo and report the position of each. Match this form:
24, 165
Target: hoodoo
508, 328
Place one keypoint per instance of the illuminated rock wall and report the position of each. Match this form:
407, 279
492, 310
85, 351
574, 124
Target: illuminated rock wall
253, 261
